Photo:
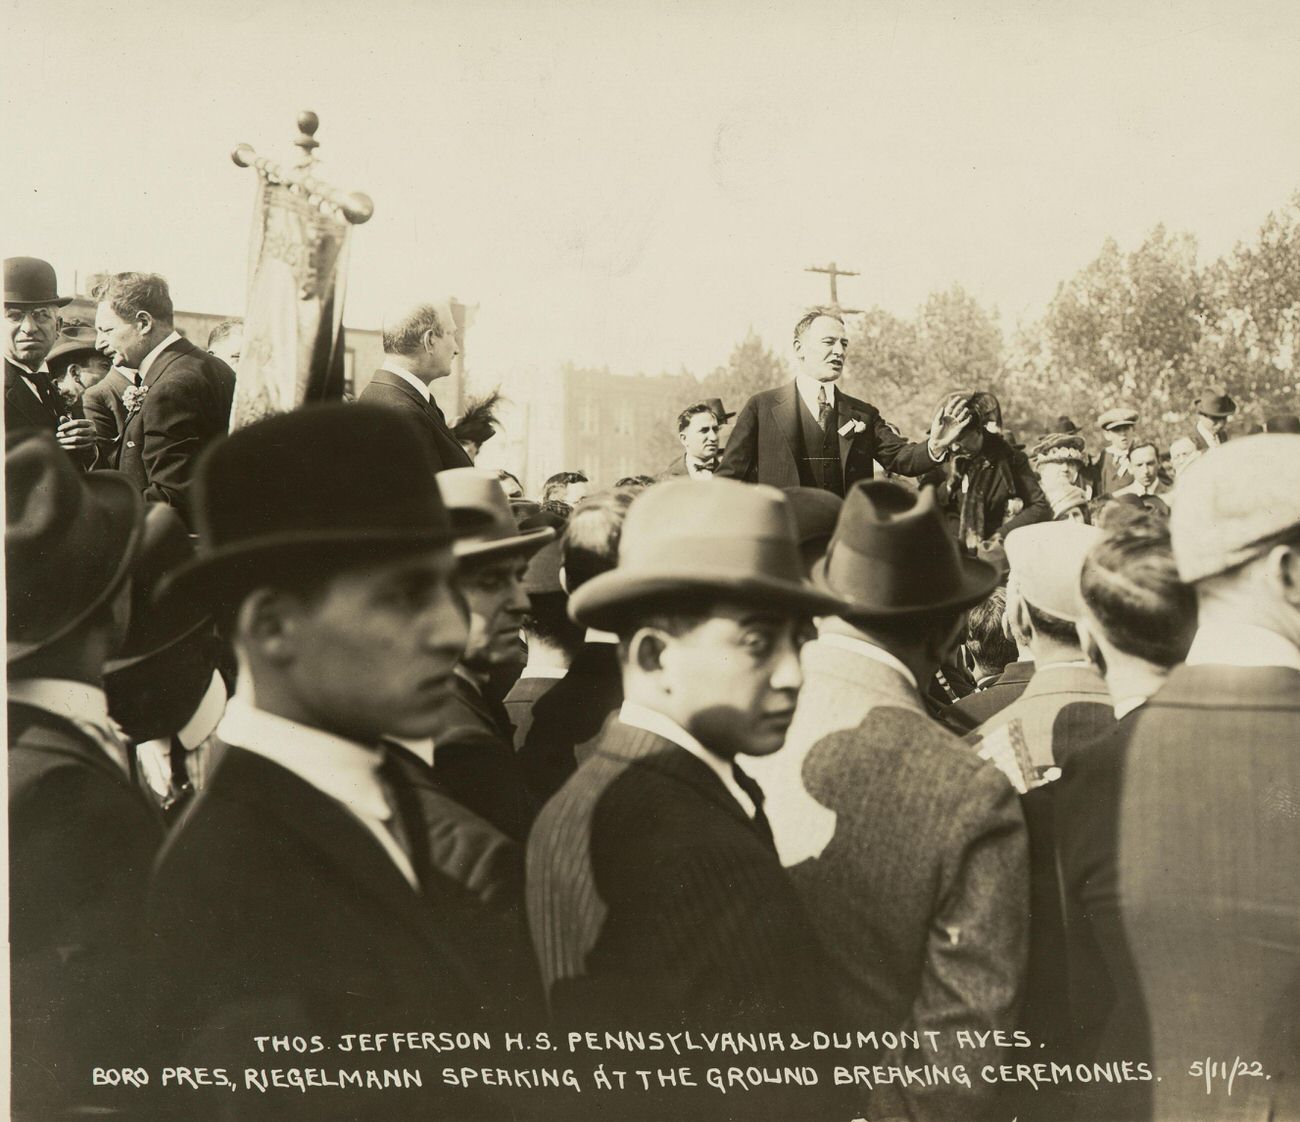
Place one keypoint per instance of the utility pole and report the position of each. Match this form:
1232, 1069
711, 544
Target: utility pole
835, 272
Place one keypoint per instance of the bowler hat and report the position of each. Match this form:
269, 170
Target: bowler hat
719, 410
892, 555
303, 484
70, 539
716, 538
485, 527
30, 283
1215, 402
164, 545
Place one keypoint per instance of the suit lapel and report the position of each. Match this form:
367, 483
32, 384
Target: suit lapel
785, 412
164, 360
19, 398
341, 840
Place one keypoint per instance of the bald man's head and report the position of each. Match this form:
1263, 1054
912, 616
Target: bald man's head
423, 338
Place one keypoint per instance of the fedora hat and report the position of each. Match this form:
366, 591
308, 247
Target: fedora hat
73, 340
30, 283
1215, 402
70, 539
480, 511
723, 538
164, 545
304, 485
719, 410
892, 555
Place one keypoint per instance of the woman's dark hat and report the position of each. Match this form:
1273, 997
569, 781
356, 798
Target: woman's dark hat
164, 546
301, 485
892, 556
30, 283
70, 539
719, 537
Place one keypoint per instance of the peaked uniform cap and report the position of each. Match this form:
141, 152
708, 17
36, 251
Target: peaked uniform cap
1117, 418
1046, 560
1233, 502
715, 538
892, 555
70, 539
31, 283
299, 486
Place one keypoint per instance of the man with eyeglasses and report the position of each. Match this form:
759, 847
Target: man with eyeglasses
31, 329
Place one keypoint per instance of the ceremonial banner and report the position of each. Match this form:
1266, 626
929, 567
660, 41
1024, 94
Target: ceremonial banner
293, 328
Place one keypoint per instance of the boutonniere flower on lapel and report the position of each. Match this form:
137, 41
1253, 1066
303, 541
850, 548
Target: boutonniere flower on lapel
852, 427
133, 398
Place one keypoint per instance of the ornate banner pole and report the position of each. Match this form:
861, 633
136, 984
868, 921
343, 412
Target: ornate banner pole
293, 327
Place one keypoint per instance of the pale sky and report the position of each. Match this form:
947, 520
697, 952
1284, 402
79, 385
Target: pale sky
636, 184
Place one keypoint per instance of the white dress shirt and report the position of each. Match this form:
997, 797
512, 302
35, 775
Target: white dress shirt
148, 359
869, 650
553, 672
697, 469
79, 702
639, 717
340, 769
409, 378
154, 756
809, 388
1241, 644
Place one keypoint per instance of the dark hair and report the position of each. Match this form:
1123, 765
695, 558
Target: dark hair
636, 482
987, 641
128, 294
556, 506
560, 481
223, 330
1052, 627
1130, 584
548, 619
806, 320
684, 417
590, 543
1145, 444
403, 337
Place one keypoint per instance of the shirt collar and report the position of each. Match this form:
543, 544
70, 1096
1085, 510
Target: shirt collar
148, 359
1125, 705
594, 636
407, 377
553, 672
344, 770
207, 716
641, 717
808, 388
697, 468
1241, 644
44, 367
869, 650
80, 703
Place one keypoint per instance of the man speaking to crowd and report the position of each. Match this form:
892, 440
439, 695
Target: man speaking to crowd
809, 433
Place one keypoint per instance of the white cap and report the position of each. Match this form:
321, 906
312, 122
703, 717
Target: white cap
1046, 560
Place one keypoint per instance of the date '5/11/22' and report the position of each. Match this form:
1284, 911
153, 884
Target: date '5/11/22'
1225, 1070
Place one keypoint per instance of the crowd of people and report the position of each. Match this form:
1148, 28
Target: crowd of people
985, 752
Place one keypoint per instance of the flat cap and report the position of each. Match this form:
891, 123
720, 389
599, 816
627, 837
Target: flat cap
1233, 502
1117, 418
1045, 561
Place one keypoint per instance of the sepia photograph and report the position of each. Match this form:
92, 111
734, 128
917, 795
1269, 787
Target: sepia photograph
652, 561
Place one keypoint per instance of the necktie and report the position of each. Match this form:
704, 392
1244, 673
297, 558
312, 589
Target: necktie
831, 476
755, 793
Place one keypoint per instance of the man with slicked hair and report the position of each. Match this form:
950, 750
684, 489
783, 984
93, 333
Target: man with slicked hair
419, 348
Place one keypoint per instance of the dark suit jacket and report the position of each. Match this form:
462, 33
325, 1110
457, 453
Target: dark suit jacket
654, 900
568, 719
765, 441
1107, 477
81, 841
976, 708
273, 909
519, 702
103, 406
185, 409
1180, 842
910, 854
386, 388
999, 474
475, 762
23, 411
